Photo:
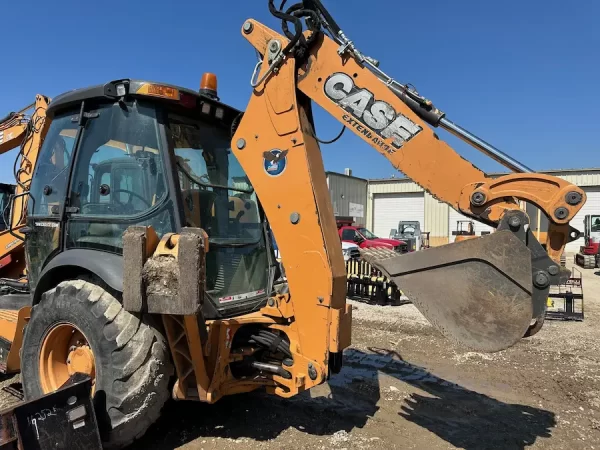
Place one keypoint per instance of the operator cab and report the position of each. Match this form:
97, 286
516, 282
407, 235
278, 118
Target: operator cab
138, 153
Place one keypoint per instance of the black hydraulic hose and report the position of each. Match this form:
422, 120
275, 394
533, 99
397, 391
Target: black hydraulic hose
12, 283
292, 11
316, 5
265, 342
332, 140
283, 346
297, 41
288, 18
313, 21
260, 341
267, 339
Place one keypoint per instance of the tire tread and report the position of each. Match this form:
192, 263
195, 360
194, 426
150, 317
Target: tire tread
137, 381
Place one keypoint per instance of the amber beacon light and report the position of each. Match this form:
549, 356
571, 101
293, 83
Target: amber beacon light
208, 85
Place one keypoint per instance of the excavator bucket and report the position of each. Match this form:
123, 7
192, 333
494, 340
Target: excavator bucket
478, 292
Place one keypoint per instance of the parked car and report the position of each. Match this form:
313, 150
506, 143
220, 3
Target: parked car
365, 239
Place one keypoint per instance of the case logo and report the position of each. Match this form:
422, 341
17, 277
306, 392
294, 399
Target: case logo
375, 119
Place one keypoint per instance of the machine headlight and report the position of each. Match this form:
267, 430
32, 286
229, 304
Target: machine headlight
121, 91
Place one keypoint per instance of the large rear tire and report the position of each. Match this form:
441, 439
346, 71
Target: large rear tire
128, 356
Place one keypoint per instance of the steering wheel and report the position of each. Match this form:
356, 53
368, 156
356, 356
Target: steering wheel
131, 195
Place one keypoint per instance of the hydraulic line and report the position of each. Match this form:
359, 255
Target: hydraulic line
271, 341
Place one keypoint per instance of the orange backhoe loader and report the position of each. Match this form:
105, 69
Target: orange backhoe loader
147, 229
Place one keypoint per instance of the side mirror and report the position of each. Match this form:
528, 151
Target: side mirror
357, 238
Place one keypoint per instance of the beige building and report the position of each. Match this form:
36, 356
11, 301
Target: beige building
392, 200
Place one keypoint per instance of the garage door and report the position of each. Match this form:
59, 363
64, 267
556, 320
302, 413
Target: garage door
454, 216
389, 209
591, 207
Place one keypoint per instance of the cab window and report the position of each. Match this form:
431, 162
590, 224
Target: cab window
217, 194
119, 178
48, 186
118, 170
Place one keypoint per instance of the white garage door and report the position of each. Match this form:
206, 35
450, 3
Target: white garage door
389, 209
591, 207
454, 215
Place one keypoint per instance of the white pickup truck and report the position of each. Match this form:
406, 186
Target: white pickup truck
350, 250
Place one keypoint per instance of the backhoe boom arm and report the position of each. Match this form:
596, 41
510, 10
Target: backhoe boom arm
502, 280
355, 96
375, 112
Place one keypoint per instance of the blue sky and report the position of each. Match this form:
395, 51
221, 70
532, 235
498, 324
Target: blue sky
523, 75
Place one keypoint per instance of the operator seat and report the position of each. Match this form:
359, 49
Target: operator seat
198, 206
242, 210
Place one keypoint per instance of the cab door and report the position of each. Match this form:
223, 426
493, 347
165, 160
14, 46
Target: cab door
118, 178
47, 193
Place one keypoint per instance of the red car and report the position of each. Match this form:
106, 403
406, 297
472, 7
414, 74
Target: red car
365, 239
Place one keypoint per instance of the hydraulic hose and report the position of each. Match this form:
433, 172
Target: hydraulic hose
271, 342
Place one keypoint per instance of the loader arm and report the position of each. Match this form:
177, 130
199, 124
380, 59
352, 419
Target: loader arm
19, 129
484, 292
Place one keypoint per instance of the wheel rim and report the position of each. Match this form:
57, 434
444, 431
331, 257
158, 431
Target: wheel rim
65, 351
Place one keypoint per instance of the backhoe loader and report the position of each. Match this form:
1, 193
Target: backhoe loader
146, 208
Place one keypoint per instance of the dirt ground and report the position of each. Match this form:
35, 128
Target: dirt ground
403, 385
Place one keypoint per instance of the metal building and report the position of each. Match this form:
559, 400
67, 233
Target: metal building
395, 199
348, 195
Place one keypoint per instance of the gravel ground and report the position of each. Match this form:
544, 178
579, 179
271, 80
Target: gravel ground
403, 385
